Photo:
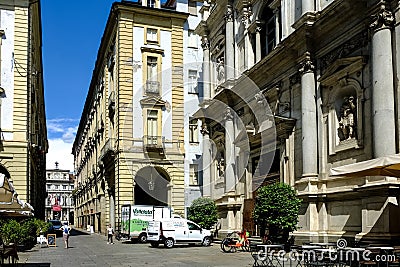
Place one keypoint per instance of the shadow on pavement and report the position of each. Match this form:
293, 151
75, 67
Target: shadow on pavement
76, 232
28, 264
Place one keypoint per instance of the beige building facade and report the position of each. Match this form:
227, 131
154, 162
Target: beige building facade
23, 133
129, 148
325, 74
59, 201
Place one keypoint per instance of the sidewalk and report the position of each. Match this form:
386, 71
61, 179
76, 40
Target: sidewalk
92, 250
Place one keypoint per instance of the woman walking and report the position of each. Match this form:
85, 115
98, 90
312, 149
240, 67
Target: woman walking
65, 229
110, 232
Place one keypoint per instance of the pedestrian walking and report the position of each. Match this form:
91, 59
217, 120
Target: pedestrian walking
66, 231
110, 232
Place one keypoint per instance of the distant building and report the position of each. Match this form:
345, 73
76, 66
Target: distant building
130, 144
59, 200
23, 133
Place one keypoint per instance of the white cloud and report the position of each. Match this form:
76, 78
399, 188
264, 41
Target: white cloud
54, 127
69, 135
60, 151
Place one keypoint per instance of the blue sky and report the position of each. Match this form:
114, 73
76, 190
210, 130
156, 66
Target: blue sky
71, 33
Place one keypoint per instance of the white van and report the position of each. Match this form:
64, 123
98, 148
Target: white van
176, 230
134, 219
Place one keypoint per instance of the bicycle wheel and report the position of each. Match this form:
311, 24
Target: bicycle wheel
246, 246
225, 245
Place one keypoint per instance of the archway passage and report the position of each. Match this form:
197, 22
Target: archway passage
4, 171
151, 186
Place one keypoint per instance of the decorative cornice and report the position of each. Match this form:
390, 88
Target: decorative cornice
306, 65
152, 50
383, 19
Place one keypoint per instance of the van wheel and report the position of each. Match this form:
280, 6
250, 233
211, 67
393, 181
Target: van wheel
143, 238
206, 241
154, 244
169, 243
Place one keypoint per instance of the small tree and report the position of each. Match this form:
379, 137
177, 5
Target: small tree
204, 212
277, 209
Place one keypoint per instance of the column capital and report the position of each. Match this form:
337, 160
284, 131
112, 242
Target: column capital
306, 65
228, 115
382, 19
205, 44
204, 129
229, 14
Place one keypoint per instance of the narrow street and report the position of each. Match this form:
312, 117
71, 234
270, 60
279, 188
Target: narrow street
93, 250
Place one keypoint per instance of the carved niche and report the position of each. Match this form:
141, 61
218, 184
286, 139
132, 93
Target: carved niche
343, 96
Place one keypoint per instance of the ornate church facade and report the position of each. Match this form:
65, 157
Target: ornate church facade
292, 89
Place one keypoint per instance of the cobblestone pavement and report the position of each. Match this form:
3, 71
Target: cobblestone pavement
93, 250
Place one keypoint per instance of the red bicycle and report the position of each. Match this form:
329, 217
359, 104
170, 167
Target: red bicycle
234, 241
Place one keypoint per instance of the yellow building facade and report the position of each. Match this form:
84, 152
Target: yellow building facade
23, 134
129, 145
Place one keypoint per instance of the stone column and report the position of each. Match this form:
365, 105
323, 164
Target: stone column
397, 59
206, 69
383, 113
206, 161
307, 6
229, 45
249, 53
112, 210
309, 118
277, 25
230, 180
258, 43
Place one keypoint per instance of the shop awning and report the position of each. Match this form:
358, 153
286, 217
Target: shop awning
56, 208
383, 166
10, 204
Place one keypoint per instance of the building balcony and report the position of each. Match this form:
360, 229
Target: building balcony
108, 149
152, 88
111, 104
154, 143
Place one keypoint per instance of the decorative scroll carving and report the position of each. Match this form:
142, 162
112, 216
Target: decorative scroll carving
205, 44
229, 14
383, 19
228, 114
347, 123
260, 98
343, 51
306, 65
204, 129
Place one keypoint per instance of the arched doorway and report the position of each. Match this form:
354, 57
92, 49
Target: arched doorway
4, 171
151, 186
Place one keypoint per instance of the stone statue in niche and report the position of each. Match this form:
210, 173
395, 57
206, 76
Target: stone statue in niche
347, 123
220, 69
221, 165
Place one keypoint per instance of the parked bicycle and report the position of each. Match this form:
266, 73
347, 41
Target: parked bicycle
234, 241
121, 237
